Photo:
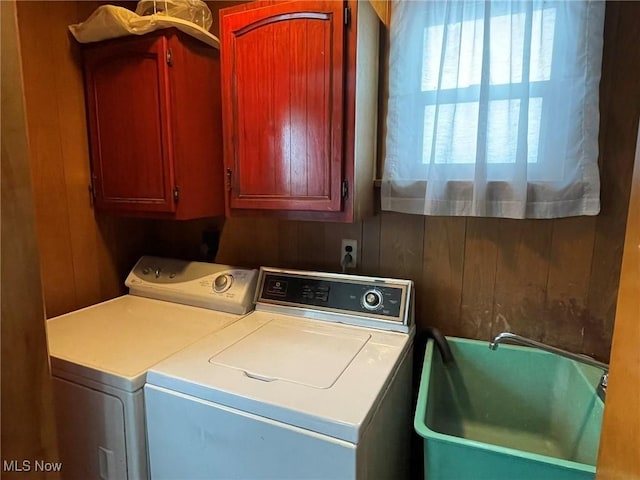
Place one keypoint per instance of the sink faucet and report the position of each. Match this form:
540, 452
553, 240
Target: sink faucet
513, 338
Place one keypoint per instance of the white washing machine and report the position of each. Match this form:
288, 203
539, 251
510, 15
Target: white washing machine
100, 356
315, 383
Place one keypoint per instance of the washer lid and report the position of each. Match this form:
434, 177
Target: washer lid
324, 377
311, 356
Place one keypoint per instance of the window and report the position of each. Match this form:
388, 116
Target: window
493, 108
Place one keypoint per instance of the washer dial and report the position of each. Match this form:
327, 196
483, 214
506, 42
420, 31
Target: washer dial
222, 283
372, 299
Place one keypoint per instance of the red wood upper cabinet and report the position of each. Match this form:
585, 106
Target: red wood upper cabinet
155, 126
299, 82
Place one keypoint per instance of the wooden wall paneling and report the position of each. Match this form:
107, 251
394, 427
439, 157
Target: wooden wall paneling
442, 269
288, 247
521, 277
111, 279
619, 106
215, 6
121, 242
620, 442
401, 245
47, 163
65, 56
28, 428
298, 245
479, 277
249, 242
370, 245
570, 259
85, 9
401, 253
184, 239
311, 246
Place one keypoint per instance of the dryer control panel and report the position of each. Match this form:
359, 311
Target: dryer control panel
200, 284
381, 302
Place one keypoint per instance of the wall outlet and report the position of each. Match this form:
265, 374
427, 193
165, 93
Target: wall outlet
349, 246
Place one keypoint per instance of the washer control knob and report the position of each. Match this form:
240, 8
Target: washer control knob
372, 299
222, 283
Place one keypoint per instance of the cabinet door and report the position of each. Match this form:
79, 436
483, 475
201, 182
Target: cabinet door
282, 72
127, 85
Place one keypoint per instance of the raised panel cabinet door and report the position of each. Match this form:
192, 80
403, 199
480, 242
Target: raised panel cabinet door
283, 77
127, 87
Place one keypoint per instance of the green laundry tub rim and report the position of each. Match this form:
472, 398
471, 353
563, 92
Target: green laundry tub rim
420, 422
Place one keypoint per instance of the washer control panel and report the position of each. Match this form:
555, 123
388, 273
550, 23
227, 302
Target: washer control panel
351, 295
209, 285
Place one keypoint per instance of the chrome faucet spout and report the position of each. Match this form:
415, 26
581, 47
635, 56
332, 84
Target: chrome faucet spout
528, 342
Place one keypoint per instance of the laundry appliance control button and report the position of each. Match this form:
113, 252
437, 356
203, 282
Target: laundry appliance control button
372, 299
222, 283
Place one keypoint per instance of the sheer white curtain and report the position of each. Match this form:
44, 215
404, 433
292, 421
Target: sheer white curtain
493, 108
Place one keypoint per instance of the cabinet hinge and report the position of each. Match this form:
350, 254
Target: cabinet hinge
92, 195
345, 188
176, 194
229, 173
347, 16
169, 57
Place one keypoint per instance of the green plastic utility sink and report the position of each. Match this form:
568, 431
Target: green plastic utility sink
516, 413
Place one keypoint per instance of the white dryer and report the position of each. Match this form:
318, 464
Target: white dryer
315, 383
100, 356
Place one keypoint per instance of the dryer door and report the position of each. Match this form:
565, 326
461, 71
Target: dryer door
91, 432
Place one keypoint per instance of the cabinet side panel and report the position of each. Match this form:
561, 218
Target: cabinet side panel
366, 109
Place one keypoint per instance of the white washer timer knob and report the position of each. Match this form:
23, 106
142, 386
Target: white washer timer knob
222, 283
372, 299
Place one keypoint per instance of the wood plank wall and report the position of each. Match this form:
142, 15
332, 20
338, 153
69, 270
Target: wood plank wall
28, 431
554, 280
